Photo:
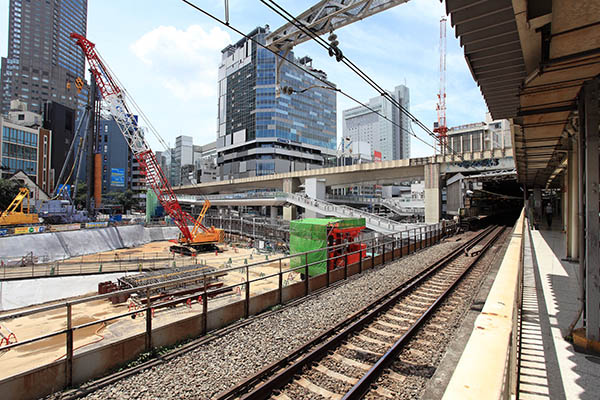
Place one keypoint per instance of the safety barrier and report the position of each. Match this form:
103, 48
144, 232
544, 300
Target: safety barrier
487, 368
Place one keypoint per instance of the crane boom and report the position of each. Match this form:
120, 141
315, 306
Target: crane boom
115, 98
442, 128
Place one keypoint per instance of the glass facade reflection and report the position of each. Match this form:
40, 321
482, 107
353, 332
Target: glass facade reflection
260, 133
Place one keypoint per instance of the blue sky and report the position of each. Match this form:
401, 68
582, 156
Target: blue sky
166, 54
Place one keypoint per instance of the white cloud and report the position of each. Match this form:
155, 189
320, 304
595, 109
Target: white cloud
185, 62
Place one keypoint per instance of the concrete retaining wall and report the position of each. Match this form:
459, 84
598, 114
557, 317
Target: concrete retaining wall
52, 246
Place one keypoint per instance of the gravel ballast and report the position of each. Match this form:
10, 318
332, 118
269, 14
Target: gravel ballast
221, 363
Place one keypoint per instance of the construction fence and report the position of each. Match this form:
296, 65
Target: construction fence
287, 284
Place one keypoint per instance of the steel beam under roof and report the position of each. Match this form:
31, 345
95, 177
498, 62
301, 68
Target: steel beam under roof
530, 68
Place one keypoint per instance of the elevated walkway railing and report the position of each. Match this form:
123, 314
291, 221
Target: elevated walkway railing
374, 222
391, 204
488, 366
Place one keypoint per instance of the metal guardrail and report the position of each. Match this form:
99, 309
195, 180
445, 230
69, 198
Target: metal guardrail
257, 228
416, 239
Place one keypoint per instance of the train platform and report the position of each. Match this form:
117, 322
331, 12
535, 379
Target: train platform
550, 368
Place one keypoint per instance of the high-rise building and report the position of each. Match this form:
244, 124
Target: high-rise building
61, 121
26, 146
205, 163
120, 169
391, 139
480, 136
43, 63
260, 133
182, 159
164, 161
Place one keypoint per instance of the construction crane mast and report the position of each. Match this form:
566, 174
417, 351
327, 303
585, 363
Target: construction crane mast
441, 128
200, 237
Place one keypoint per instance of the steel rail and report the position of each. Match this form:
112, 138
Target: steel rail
363, 385
190, 346
337, 334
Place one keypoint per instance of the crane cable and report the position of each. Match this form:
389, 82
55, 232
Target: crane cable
77, 157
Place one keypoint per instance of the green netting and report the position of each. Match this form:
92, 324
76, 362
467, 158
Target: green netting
151, 204
311, 234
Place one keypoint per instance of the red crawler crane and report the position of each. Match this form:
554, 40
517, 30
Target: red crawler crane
441, 129
201, 237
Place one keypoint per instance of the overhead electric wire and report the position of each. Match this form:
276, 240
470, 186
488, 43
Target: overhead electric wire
329, 84
363, 75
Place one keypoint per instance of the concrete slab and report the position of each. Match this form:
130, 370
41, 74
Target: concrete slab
550, 305
133, 235
24, 293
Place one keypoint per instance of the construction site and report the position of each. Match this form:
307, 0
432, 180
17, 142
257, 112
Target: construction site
277, 263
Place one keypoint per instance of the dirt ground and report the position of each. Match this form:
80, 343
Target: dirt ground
48, 350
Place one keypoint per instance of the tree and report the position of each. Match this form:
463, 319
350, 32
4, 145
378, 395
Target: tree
8, 191
81, 195
125, 199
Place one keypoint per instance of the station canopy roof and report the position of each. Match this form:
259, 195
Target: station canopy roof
530, 59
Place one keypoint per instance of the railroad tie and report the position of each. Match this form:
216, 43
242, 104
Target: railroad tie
390, 325
395, 376
282, 396
335, 375
371, 340
350, 362
383, 392
361, 350
306, 384
383, 333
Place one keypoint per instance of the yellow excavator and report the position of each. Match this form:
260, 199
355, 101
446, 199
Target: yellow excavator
12, 216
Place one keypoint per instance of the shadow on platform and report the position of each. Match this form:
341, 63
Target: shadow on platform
570, 375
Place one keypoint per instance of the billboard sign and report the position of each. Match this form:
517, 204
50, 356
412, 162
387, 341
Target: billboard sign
64, 189
376, 156
102, 224
117, 177
28, 229
67, 227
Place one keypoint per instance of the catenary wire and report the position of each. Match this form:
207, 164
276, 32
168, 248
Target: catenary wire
294, 21
329, 84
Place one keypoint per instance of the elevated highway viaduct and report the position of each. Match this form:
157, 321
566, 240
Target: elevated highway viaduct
431, 169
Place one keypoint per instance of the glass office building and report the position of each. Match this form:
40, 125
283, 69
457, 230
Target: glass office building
43, 62
260, 133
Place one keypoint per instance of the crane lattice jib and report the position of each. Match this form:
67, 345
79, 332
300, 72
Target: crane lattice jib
115, 99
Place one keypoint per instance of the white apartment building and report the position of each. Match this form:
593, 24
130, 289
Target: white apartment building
389, 136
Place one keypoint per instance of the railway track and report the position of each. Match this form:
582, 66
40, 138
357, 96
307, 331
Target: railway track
357, 358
